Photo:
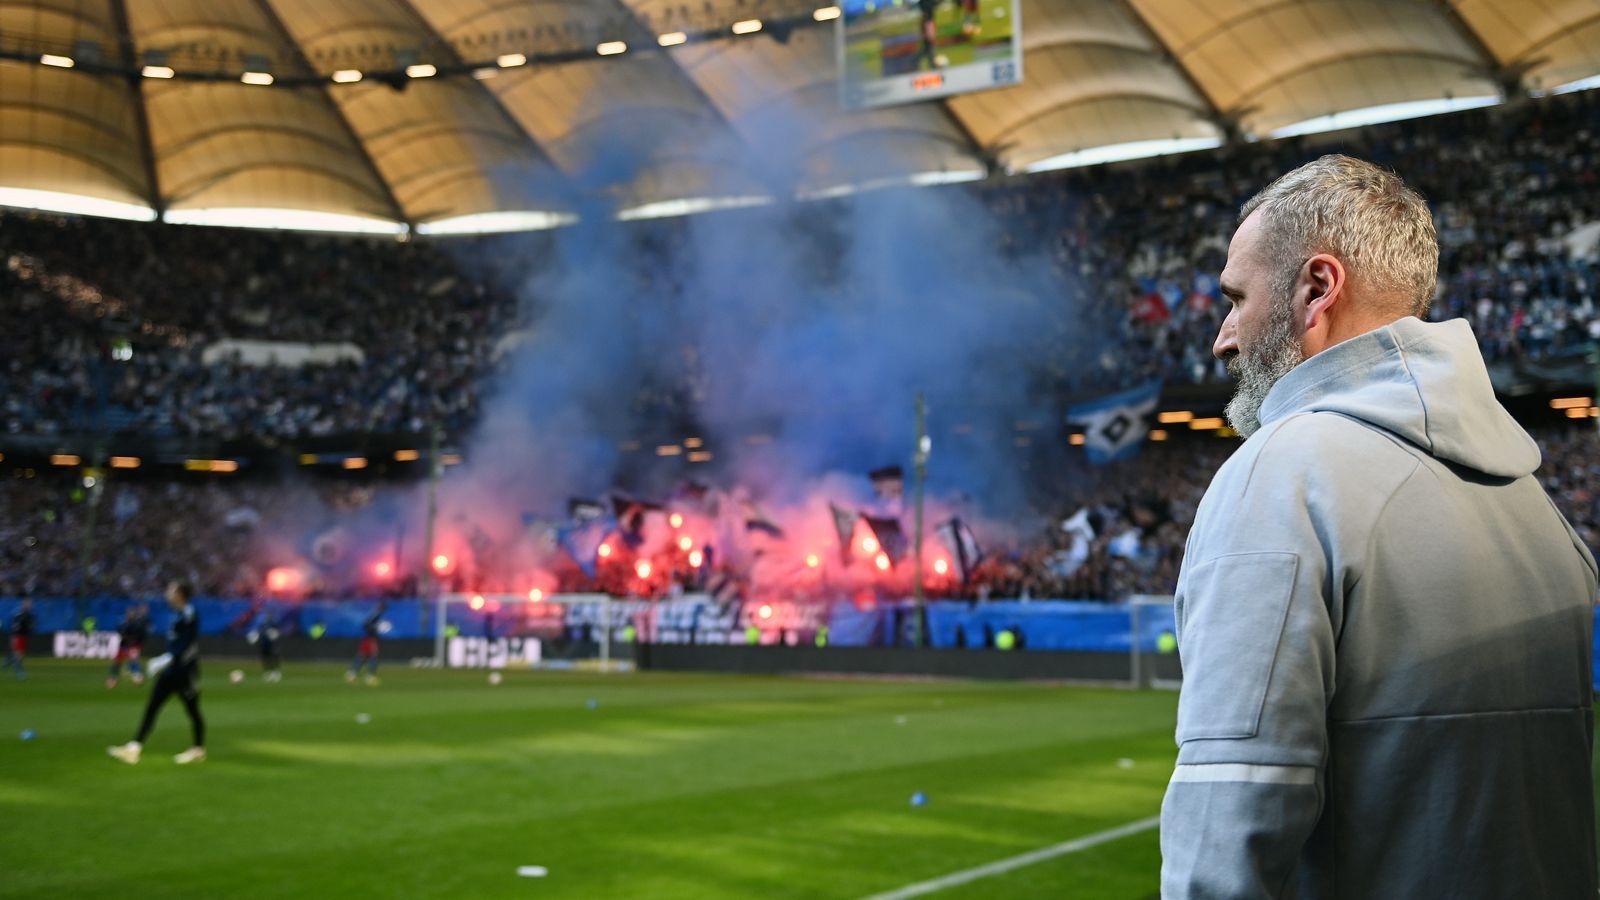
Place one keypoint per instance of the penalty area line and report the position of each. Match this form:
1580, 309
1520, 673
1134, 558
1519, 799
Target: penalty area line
1016, 862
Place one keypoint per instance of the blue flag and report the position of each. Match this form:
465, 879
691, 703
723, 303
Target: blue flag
1114, 427
582, 542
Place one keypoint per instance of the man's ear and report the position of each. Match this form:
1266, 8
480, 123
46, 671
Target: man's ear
1322, 283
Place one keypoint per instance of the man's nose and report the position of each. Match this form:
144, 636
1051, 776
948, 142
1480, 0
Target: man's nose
1227, 343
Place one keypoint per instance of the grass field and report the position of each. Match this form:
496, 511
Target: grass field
669, 786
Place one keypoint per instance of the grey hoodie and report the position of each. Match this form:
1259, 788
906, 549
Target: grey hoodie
1385, 628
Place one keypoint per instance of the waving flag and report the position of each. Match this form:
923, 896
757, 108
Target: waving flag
582, 542
630, 515
844, 523
1114, 427
958, 536
891, 539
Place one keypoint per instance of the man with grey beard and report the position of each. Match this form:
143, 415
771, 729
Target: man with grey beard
1384, 623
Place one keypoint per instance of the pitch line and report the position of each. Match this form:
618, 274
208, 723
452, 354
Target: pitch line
1017, 862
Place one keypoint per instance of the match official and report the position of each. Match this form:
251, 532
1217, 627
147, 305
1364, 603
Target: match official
1384, 623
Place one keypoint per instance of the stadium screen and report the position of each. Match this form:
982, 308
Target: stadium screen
902, 51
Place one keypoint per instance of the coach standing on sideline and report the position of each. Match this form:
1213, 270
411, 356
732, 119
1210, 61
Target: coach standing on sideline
1384, 623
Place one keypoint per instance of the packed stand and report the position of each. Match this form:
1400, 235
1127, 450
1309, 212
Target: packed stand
1516, 193
1114, 532
103, 326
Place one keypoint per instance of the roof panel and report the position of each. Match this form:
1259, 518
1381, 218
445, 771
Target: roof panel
85, 123
1260, 59
1062, 76
606, 121
729, 117
783, 100
1358, 83
222, 144
56, 26
414, 129
1556, 41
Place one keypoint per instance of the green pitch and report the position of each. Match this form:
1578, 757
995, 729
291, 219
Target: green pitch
671, 786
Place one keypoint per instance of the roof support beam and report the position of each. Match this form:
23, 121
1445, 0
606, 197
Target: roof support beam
1508, 76
141, 118
991, 157
288, 40
647, 37
1226, 122
448, 50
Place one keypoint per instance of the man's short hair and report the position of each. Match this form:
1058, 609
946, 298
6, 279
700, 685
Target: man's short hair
1360, 213
183, 589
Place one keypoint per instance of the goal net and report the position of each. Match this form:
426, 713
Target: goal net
1153, 648
498, 630
483, 630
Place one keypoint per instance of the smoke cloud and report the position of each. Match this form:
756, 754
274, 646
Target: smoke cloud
792, 338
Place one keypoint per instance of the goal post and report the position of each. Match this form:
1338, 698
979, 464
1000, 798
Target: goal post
1153, 642
484, 628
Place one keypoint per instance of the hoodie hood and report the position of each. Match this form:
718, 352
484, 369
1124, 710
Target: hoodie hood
1424, 382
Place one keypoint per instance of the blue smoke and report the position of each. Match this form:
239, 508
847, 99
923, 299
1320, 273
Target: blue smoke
814, 324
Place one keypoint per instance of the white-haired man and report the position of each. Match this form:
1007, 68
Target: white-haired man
1384, 623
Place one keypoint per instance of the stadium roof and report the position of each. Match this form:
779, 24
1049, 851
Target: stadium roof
481, 114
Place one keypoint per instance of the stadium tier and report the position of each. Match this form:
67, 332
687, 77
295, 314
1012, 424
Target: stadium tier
148, 342
153, 330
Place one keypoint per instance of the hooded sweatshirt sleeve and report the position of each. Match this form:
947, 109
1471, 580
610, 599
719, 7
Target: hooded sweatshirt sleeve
1257, 609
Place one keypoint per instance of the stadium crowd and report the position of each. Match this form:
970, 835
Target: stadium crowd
106, 327
1515, 190
1516, 197
114, 327
1116, 532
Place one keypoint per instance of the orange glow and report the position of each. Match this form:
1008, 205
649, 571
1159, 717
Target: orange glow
883, 562
280, 578
686, 543
941, 567
441, 563
812, 561
675, 520
697, 559
535, 595
604, 551
869, 545
642, 568
477, 601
